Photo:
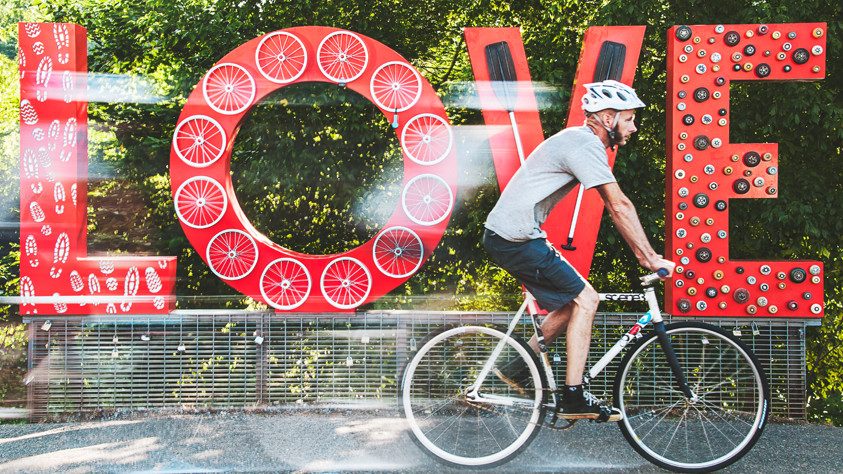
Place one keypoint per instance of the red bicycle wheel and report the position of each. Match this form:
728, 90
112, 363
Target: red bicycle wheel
199, 141
285, 283
342, 57
395, 86
427, 199
427, 139
232, 254
398, 252
200, 202
228, 88
281, 57
346, 283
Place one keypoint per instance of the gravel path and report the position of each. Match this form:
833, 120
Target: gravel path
349, 440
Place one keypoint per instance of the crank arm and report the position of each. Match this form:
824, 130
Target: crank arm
496, 400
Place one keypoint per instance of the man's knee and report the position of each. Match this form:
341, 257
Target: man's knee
588, 299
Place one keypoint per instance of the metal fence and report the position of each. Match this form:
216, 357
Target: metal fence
214, 359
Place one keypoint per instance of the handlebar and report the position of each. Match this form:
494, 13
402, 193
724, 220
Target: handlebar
648, 280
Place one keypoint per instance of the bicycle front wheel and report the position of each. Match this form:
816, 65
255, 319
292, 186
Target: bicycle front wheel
702, 435
460, 430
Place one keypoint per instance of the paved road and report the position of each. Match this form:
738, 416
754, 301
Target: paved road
348, 440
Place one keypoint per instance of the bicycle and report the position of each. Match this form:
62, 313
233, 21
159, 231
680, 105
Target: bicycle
694, 398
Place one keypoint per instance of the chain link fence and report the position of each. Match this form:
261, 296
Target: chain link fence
238, 359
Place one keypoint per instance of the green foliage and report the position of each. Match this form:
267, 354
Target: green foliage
315, 198
9, 275
826, 410
317, 168
13, 341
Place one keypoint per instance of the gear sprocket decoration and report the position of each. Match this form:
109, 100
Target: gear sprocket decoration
703, 166
204, 196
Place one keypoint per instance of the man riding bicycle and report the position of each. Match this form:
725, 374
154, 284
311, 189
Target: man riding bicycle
515, 241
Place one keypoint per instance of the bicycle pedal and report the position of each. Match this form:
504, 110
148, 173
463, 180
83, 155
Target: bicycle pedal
562, 424
614, 417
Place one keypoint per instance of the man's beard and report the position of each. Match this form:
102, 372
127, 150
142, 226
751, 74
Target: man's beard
619, 140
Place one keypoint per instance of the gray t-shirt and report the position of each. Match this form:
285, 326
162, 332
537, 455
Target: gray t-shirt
574, 155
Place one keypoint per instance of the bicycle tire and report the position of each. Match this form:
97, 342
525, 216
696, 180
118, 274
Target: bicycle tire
733, 399
454, 430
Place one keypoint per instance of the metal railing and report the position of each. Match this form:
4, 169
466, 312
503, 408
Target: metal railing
215, 359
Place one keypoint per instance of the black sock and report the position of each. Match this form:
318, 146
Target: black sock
573, 393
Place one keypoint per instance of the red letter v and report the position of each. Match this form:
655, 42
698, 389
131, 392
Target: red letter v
497, 54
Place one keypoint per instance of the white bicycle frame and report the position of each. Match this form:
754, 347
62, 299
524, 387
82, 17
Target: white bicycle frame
653, 315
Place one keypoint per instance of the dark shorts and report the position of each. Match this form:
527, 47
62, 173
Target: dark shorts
535, 263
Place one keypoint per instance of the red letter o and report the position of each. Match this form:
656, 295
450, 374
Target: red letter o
204, 198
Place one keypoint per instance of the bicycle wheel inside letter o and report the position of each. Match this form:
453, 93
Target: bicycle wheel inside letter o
204, 198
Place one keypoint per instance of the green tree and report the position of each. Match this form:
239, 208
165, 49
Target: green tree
314, 164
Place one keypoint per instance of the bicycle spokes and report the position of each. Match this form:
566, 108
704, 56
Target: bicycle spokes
464, 426
714, 427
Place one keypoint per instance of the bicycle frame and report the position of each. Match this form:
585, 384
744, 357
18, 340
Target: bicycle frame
653, 315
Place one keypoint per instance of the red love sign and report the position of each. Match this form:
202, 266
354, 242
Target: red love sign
704, 169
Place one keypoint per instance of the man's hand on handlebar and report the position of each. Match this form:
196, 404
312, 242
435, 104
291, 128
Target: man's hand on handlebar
658, 262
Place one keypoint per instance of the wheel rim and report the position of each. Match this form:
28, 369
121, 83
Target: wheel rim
701, 435
427, 139
427, 199
346, 283
398, 252
228, 88
395, 86
285, 283
200, 202
281, 57
433, 390
232, 254
199, 141
342, 57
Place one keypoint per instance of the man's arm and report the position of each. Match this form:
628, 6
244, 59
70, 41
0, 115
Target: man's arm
623, 214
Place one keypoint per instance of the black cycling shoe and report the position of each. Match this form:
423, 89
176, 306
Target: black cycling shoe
587, 407
516, 374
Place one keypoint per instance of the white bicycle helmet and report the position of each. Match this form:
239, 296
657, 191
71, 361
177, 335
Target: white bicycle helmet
609, 94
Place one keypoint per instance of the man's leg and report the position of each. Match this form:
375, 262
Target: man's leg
577, 317
578, 338
576, 402
553, 325
516, 372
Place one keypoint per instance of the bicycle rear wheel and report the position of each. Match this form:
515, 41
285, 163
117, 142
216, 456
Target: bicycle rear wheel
459, 431
682, 435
